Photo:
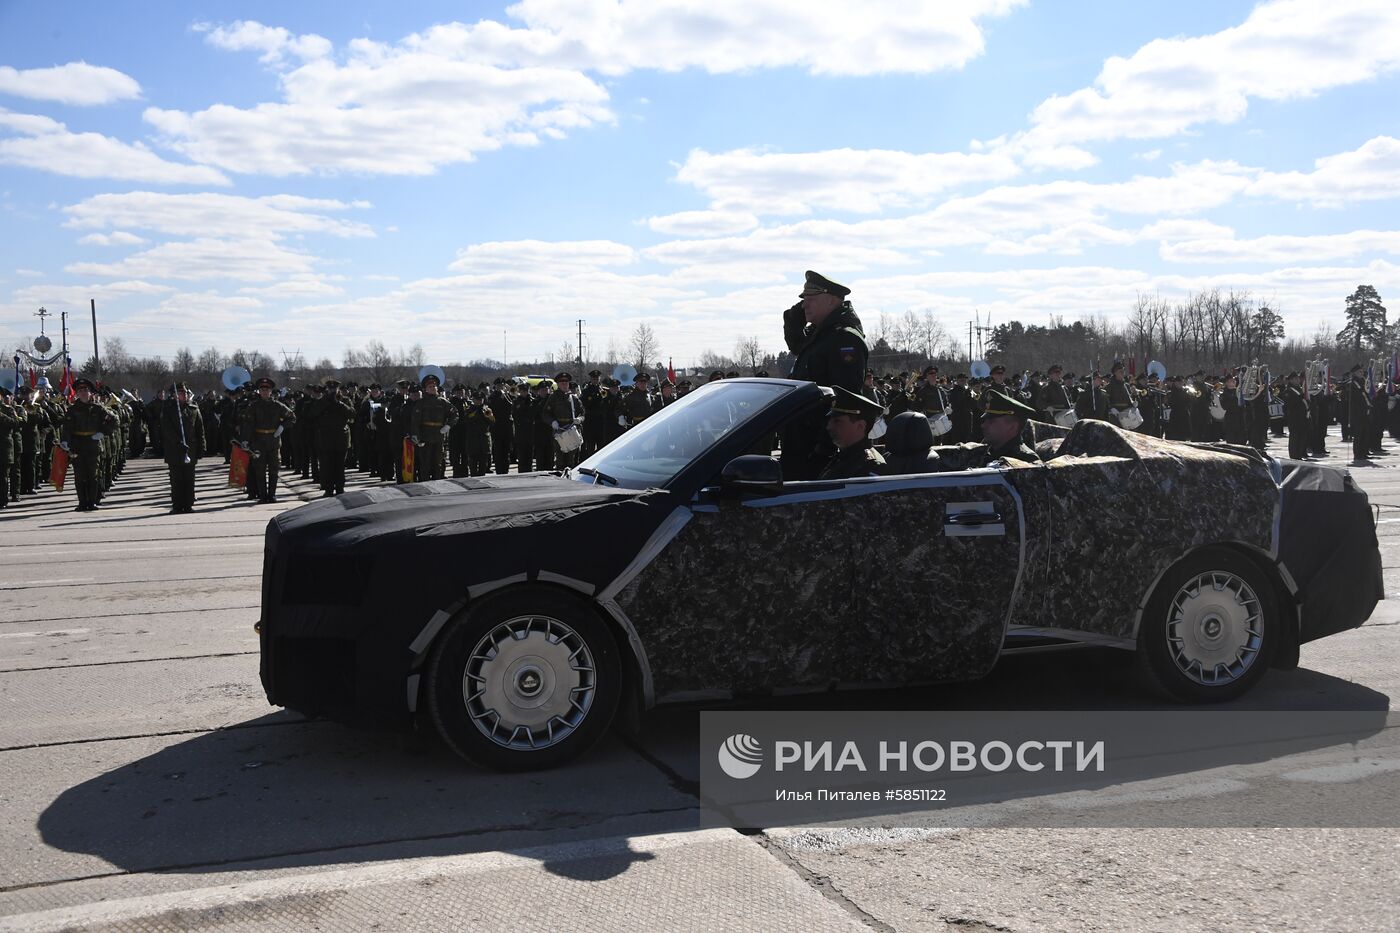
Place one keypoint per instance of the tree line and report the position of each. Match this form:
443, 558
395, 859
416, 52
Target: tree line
1209, 330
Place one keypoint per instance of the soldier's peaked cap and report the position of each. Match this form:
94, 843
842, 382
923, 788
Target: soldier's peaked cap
562, 377
265, 382
332, 383
998, 405
594, 374
81, 383
846, 402
642, 376
817, 284
433, 377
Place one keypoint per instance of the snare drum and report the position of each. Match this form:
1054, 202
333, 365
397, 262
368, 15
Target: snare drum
1066, 417
941, 424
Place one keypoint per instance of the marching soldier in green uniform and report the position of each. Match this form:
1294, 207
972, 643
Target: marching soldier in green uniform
457, 436
480, 425
637, 406
539, 424
182, 426
594, 429
521, 411
824, 334
264, 420
498, 403
34, 419
1295, 412
10, 423
332, 414
848, 424
563, 411
431, 422
88, 423
1003, 420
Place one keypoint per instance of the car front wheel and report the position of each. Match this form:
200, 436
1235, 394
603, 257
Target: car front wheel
525, 680
1209, 630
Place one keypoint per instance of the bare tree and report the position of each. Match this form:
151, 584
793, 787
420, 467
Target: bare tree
183, 362
643, 345
210, 361
415, 356
748, 351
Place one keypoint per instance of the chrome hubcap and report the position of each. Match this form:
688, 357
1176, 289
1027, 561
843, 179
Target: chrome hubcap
1215, 628
529, 683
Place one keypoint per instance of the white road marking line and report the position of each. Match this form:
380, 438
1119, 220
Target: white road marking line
57, 631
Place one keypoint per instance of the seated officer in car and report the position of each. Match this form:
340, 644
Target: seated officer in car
1002, 423
848, 424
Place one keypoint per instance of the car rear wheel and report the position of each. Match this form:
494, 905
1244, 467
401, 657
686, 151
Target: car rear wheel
1209, 629
527, 679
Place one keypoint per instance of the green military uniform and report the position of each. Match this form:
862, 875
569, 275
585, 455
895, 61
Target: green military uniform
478, 421
10, 423
561, 411
833, 353
636, 404
263, 423
87, 425
861, 458
430, 423
999, 406
332, 415
182, 425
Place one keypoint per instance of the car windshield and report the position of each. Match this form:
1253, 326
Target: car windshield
653, 452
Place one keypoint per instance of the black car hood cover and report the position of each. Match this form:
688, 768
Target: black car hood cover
443, 507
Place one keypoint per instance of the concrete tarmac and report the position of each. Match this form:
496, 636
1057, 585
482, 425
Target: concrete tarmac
146, 784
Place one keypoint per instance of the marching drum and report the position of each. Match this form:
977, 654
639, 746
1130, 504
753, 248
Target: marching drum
1066, 417
1130, 419
941, 424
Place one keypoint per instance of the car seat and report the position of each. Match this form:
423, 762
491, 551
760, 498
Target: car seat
908, 445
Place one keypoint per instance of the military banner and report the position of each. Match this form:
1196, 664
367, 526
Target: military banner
58, 471
408, 459
238, 467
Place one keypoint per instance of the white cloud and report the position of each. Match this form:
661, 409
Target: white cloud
862, 181
29, 273
46, 145
206, 258
76, 83
1273, 249
1284, 50
1369, 173
441, 96
720, 36
547, 257
215, 215
275, 43
703, 223
118, 238
300, 286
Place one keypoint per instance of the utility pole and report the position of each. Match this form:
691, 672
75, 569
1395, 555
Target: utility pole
580, 345
96, 361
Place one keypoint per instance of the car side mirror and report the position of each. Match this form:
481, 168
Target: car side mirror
751, 473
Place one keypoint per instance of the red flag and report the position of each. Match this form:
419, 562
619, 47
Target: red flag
33, 377
65, 385
670, 369
58, 469
408, 459
238, 467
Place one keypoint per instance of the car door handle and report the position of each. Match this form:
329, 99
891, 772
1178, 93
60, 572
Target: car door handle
974, 518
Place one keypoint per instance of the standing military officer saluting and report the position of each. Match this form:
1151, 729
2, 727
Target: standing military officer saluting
82, 436
263, 422
825, 335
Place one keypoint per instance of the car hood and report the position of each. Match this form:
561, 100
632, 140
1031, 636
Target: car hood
445, 507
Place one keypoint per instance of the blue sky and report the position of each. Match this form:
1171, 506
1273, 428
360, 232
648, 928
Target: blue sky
310, 176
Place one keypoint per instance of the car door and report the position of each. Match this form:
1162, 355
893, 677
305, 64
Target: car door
813, 584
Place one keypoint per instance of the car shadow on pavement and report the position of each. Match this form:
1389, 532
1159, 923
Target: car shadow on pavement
268, 793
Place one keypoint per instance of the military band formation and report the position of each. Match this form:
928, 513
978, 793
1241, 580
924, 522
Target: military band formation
414, 430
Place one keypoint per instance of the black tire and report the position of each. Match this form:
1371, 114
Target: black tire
1162, 660
447, 676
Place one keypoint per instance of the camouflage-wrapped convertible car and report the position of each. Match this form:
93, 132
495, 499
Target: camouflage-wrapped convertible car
516, 614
